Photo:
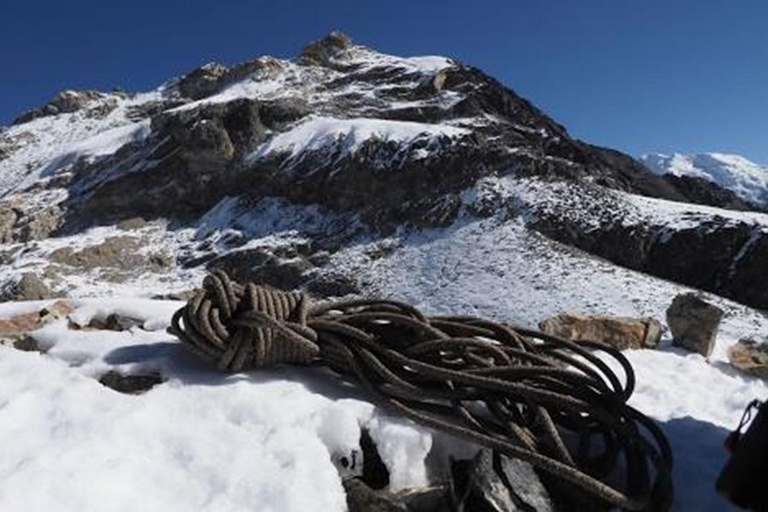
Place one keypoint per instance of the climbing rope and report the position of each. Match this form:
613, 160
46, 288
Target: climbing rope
531, 396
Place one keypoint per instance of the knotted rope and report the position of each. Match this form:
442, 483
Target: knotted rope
547, 401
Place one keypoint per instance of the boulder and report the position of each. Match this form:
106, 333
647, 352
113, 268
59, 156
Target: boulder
28, 287
619, 332
694, 323
750, 357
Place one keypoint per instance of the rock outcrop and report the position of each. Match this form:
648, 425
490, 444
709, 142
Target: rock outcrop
28, 287
67, 102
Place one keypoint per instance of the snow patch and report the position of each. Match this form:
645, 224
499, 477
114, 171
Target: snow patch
321, 132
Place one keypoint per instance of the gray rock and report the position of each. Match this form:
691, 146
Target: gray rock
115, 322
28, 287
694, 323
132, 224
20, 341
7, 221
361, 498
750, 357
130, 384
486, 490
39, 225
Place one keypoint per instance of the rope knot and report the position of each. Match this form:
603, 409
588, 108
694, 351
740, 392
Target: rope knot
248, 326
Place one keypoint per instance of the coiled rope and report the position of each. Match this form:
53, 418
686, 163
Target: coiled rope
529, 395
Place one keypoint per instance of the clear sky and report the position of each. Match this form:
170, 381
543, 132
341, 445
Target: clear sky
637, 75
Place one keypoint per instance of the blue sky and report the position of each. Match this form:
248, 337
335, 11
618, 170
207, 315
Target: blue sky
637, 75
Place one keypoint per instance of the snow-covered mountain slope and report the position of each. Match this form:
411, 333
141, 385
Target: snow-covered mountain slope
342, 172
745, 178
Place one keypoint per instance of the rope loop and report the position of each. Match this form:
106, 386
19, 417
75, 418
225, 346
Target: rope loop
248, 326
555, 404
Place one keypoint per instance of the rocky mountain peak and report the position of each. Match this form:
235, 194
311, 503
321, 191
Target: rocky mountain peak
395, 142
323, 51
69, 101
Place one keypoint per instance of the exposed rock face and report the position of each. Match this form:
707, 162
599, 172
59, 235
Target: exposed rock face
67, 102
28, 287
203, 81
198, 162
716, 254
321, 52
618, 332
750, 357
7, 221
702, 191
20, 224
214, 77
694, 323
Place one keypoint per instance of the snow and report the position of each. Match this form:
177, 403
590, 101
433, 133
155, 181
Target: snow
430, 63
201, 440
745, 178
318, 133
103, 144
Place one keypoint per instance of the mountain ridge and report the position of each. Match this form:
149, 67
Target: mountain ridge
745, 178
395, 142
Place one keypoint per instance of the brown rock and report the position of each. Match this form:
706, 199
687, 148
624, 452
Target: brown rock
694, 323
750, 357
28, 322
619, 332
